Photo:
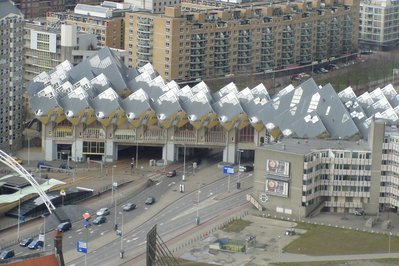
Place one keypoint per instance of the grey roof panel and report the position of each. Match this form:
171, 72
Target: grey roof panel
106, 103
136, 104
7, 8
305, 111
334, 115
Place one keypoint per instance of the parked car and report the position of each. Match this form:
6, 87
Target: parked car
36, 244
129, 206
150, 200
245, 168
323, 70
100, 220
296, 77
18, 160
65, 166
103, 212
25, 242
359, 213
333, 66
171, 173
304, 75
6, 254
317, 71
42, 165
63, 227
290, 232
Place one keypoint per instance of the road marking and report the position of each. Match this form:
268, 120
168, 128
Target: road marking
161, 224
142, 243
18, 253
157, 184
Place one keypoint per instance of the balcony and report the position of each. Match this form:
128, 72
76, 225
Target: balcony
93, 133
144, 22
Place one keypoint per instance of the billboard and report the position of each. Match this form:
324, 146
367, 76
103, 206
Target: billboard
277, 187
278, 167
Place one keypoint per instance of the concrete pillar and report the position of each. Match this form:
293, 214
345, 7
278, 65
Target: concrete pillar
50, 150
111, 151
168, 152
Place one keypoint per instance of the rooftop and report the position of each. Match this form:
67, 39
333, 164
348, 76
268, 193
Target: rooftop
107, 88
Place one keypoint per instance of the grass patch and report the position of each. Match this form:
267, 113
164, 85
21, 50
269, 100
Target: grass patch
236, 226
376, 262
324, 240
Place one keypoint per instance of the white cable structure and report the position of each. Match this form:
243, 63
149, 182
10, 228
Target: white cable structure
10, 162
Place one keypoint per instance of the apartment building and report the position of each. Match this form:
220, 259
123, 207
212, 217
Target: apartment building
11, 76
105, 20
48, 45
379, 24
198, 42
154, 6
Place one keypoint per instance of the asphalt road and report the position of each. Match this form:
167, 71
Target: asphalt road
174, 219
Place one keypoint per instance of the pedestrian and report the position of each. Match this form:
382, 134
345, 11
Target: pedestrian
98, 194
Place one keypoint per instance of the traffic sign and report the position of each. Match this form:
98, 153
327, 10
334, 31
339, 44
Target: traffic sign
228, 169
82, 247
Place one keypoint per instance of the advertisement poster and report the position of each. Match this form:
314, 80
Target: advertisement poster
278, 167
277, 187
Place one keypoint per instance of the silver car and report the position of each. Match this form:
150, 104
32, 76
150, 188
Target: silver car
103, 212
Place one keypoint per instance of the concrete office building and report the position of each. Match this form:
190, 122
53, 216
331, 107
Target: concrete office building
106, 21
379, 24
199, 42
314, 149
11, 76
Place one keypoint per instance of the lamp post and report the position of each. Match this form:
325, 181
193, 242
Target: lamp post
115, 225
112, 184
137, 150
239, 166
28, 151
166, 151
279, 251
389, 242
19, 213
184, 163
197, 219
44, 232
121, 252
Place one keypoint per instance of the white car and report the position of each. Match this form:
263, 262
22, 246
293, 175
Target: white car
303, 75
103, 212
323, 70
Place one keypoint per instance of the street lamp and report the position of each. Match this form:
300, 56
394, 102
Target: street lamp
184, 163
28, 151
19, 213
44, 232
279, 251
137, 150
389, 242
197, 219
121, 252
239, 166
112, 183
